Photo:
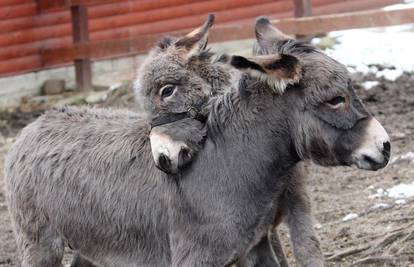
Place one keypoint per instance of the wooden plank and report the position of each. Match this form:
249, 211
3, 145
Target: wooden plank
303, 8
15, 11
81, 36
47, 5
13, 2
21, 64
361, 19
351, 6
51, 5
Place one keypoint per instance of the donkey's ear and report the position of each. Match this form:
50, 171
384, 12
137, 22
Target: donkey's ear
196, 40
268, 36
278, 70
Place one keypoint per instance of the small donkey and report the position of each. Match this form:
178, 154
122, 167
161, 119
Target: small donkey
85, 177
174, 152
296, 206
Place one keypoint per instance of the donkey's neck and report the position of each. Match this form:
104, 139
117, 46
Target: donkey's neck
237, 177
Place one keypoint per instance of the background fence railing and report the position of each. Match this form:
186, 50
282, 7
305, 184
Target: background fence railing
41, 34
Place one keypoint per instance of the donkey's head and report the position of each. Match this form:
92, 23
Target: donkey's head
331, 125
174, 83
178, 78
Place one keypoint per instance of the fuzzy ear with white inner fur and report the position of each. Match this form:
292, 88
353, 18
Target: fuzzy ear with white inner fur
196, 40
277, 70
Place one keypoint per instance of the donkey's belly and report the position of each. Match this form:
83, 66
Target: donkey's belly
123, 250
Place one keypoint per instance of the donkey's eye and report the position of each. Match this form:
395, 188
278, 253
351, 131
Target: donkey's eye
167, 90
336, 101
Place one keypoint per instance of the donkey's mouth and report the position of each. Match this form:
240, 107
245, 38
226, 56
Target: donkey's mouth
375, 148
373, 161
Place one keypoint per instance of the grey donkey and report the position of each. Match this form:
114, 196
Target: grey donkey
296, 206
116, 213
86, 177
212, 77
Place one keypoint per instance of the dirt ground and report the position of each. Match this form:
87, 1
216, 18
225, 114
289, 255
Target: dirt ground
382, 235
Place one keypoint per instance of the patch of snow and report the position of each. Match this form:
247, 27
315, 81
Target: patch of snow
349, 217
380, 206
318, 226
398, 192
378, 194
401, 191
361, 48
409, 156
368, 85
315, 40
115, 86
389, 74
400, 202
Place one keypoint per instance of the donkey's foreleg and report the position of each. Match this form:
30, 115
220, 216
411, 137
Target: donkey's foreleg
305, 243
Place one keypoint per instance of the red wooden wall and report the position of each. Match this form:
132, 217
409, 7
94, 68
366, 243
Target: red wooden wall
26, 29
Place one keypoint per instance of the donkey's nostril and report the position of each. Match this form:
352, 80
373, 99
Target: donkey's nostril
184, 157
387, 147
386, 151
164, 163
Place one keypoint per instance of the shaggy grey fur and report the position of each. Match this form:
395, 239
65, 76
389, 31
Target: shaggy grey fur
86, 177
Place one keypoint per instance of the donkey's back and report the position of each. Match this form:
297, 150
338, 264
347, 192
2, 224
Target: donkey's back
86, 176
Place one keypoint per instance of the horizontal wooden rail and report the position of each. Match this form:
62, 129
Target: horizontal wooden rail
14, 2
48, 5
348, 6
16, 11
352, 20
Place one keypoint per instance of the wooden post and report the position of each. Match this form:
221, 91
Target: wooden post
80, 30
303, 8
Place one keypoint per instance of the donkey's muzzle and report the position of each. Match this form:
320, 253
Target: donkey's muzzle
169, 155
375, 149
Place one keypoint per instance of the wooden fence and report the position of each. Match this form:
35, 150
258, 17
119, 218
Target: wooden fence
48, 33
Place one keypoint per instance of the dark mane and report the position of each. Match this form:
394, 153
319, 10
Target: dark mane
287, 47
221, 107
293, 46
165, 42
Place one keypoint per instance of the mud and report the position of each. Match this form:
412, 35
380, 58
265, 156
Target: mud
381, 235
